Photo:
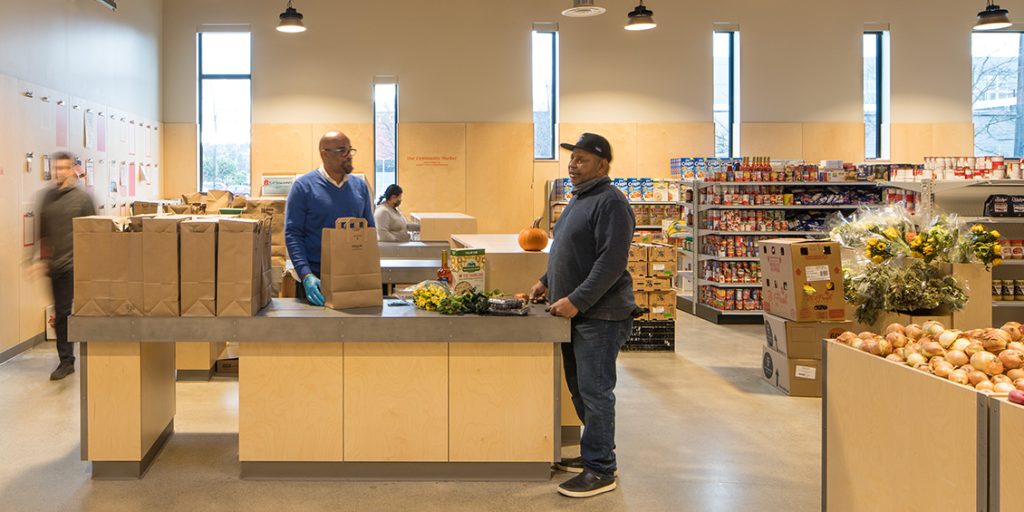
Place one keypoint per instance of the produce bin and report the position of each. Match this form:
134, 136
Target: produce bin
1006, 455
895, 438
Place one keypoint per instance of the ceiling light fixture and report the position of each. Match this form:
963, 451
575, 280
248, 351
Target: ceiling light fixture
641, 18
291, 21
993, 18
583, 9
110, 4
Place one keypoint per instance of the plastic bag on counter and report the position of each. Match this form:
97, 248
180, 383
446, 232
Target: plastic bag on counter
508, 306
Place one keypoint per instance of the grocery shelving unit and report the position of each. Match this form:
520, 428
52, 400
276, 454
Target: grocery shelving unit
714, 314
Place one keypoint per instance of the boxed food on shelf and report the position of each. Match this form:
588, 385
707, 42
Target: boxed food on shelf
646, 189
660, 192
635, 193
623, 185
803, 279
800, 340
794, 377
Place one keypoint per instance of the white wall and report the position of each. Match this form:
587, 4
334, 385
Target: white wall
468, 60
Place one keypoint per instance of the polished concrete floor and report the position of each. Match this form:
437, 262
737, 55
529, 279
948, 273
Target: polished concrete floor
697, 430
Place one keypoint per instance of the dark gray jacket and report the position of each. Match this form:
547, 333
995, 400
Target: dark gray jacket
56, 233
590, 250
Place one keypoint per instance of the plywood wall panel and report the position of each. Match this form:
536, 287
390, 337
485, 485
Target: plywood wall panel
432, 166
544, 170
911, 142
833, 141
181, 174
780, 141
657, 143
499, 170
280, 149
10, 235
952, 139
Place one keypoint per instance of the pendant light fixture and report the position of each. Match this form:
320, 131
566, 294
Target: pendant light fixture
291, 20
583, 9
641, 18
992, 18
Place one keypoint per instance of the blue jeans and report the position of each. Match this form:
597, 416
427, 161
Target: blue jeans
590, 373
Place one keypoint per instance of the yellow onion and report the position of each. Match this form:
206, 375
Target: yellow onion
1016, 345
898, 339
974, 348
987, 362
870, 346
1019, 384
867, 335
957, 357
924, 368
932, 349
1015, 374
846, 337
857, 343
1003, 387
903, 356
1014, 330
914, 332
984, 386
943, 368
947, 338
932, 328
895, 327
884, 347
915, 359
995, 340
1011, 359
975, 376
996, 379
895, 358
960, 344
960, 377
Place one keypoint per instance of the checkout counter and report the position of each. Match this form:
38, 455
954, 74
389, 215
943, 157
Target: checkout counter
385, 393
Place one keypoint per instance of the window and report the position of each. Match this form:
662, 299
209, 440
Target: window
726, 93
998, 127
545, 91
876, 94
385, 133
225, 111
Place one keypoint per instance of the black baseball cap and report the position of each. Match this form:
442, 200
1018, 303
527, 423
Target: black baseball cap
592, 143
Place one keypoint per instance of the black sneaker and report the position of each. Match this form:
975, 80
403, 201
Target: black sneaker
586, 485
62, 371
573, 465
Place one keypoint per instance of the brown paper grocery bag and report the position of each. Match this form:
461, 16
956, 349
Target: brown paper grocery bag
217, 199
272, 209
350, 265
108, 267
199, 267
243, 249
161, 278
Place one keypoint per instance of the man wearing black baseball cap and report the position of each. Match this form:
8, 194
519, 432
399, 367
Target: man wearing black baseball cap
587, 281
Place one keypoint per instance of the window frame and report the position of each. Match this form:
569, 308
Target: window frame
733, 31
1017, 29
547, 28
880, 110
199, 99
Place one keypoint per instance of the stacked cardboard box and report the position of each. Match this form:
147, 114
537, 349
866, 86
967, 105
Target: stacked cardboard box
653, 268
803, 302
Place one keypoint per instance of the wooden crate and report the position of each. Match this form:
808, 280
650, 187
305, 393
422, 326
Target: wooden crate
1006, 455
877, 417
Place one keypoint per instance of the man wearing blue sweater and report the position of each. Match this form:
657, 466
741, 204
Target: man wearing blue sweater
316, 200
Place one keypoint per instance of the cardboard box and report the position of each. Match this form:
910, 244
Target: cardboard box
161, 271
199, 267
243, 266
468, 268
108, 267
637, 269
641, 299
800, 340
662, 298
803, 279
794, 377
661, 252
440, 227
654, 284
661, 312
637, 252
666, 269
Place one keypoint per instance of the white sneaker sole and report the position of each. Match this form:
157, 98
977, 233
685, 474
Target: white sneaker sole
588, 494
568, 469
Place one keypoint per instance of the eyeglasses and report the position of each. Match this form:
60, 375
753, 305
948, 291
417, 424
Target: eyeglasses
341, 151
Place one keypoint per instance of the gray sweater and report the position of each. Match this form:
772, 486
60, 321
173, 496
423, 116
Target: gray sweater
56, 232
588, 256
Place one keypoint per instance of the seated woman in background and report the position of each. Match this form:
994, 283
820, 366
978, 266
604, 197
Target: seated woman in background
391, 225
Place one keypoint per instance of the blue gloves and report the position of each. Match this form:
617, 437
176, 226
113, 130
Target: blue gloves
312, 285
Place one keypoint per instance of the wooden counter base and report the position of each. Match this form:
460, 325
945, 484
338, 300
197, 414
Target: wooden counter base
392, 471
131, 470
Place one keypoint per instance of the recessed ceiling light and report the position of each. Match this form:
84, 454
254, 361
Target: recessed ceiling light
583, 9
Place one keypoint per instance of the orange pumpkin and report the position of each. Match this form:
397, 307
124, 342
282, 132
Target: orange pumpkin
533, 238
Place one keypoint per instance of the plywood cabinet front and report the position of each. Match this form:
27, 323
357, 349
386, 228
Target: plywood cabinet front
396, 402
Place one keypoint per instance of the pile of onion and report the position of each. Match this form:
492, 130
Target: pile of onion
989, 360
